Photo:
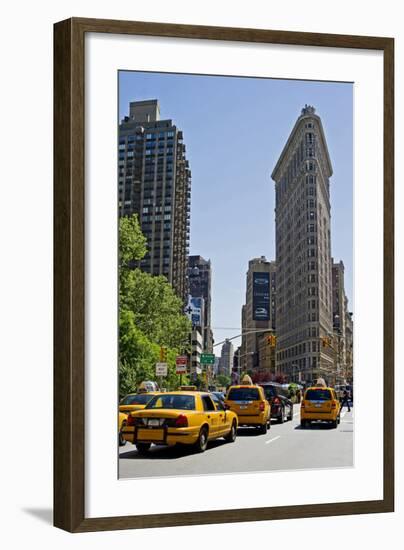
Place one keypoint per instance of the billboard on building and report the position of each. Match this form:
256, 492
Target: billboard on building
196, 311
261, 300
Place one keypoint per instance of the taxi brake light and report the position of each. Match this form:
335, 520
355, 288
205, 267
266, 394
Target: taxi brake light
262, 406
130, 421
181, 421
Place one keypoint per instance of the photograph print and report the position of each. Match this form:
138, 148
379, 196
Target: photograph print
235, 261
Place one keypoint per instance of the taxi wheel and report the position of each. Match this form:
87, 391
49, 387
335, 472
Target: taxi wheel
202, 441
304, 424
121, 439
142, 448
263, 428
231, 436
334, 423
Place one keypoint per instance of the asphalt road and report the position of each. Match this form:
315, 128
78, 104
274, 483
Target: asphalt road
284, 447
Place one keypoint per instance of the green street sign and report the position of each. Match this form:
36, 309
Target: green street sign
207, 359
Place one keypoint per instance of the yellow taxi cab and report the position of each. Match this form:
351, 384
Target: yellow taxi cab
135, 401
189, 417
122, 419
249, 403
320, 403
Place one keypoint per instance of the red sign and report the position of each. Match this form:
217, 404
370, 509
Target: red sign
181, 362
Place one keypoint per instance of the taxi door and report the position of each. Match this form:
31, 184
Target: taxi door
212, 416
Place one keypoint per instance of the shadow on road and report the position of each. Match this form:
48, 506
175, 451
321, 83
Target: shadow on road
248, 432
316, 426
168, 453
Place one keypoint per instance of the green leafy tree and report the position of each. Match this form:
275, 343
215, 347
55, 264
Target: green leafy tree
150, 315
223, 380
132, 242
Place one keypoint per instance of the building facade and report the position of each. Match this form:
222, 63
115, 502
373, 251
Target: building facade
304, 308
342, 325
154, 182
200, 284
226, 358
258, 315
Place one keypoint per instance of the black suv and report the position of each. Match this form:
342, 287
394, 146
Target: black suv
278, 397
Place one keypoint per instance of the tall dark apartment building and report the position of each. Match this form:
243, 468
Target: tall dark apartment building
154, 181
200, 284
258, 314
304, 304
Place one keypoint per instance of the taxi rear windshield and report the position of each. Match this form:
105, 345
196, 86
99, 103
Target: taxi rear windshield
318, 395
183, 402
244, 394
140, 399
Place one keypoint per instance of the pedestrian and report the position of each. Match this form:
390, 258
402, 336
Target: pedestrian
345, 400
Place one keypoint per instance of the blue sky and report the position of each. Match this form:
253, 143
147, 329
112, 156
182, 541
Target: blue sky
234, 130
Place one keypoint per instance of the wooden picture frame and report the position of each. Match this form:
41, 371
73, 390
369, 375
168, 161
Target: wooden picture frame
69, 274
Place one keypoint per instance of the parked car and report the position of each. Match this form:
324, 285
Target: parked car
278, 397
250, 405
190, 418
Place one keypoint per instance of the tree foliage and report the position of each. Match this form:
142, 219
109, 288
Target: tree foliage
223, 380
150, 315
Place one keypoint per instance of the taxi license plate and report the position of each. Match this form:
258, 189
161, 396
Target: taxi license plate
318, 405
153, 422
243, 406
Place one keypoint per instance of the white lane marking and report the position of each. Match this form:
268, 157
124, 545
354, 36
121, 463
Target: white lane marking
273, 439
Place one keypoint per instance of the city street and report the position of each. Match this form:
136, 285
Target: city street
284, 447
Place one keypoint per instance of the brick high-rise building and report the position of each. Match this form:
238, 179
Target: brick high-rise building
304, 305
342, 324
154, 181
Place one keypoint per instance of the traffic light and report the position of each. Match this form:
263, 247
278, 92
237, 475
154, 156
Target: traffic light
271, 340
163, 355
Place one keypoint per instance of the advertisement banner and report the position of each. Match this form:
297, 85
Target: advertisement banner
194, 310
261, 301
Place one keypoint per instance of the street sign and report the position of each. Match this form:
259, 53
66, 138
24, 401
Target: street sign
181, 362
207, 359
161, 369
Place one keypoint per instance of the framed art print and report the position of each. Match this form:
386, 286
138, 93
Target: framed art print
224, 283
